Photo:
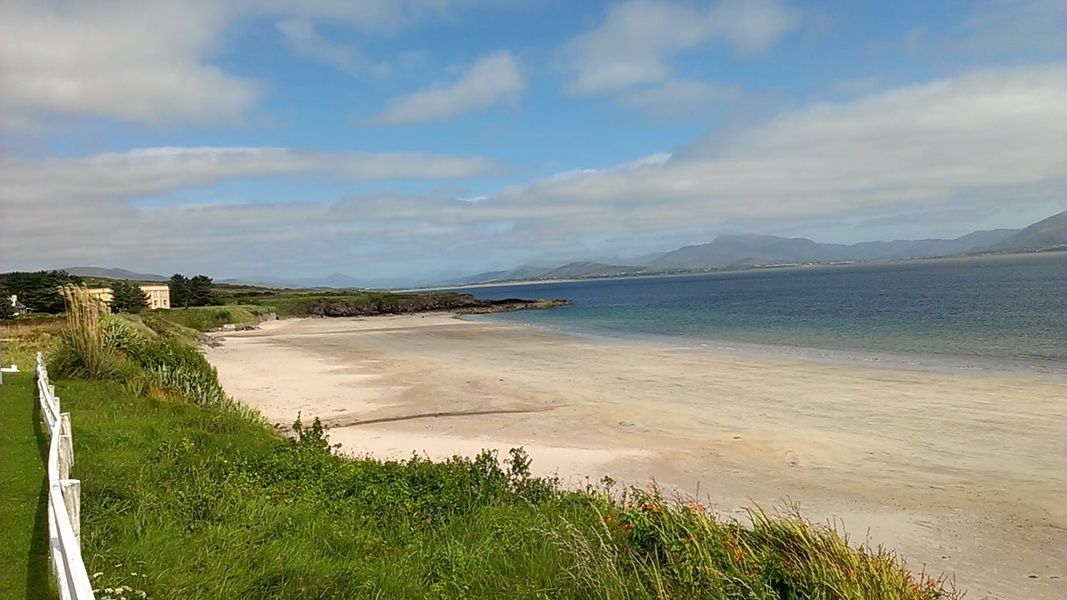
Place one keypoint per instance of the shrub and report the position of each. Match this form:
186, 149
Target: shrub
7, 311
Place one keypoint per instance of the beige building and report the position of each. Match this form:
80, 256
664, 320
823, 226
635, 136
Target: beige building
158, 296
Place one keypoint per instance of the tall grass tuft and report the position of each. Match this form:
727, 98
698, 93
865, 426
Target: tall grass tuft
99, 345
679, 549
83, 349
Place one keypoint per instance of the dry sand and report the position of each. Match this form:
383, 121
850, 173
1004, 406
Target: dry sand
961, 472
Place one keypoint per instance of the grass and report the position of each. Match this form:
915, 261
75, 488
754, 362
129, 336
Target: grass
188, 495
317, 302
182, 501
26, 572
313, 303
21, 339
206, 318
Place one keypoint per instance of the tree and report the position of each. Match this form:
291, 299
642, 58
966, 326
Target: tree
127, 297
200, 291
179, 290
39, 291
7, 311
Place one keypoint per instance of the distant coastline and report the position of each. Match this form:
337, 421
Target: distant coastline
732, 270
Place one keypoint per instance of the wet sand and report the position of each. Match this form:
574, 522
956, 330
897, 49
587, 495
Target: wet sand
961, 472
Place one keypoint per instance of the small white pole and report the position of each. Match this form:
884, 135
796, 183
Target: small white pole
72, 499
66, 445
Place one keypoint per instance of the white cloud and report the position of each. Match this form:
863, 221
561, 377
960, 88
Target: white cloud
145, 63
680, 98
153, 61
492, 79
306, 40
150, 170
991, 139
990, 136
1003, 27
637, 38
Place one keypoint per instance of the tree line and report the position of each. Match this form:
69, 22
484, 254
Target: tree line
39, 292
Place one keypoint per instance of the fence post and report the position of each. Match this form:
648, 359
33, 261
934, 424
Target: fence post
72, 499
66, 446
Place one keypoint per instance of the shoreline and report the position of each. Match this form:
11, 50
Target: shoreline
928, 361
959, 471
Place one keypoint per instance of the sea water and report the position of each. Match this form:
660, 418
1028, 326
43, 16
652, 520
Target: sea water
990, 311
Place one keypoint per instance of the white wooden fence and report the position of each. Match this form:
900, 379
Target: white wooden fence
64, 497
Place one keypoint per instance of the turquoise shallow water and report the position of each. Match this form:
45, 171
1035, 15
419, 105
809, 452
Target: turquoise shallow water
1002, 308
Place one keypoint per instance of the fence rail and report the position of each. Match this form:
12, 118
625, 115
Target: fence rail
64, 496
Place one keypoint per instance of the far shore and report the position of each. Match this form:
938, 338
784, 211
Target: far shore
960, 472
725, 271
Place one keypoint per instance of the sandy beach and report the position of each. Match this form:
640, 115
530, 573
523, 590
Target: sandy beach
961, 472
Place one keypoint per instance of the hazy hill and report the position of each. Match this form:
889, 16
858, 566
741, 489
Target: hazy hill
523, 273
741, 250
725, 251
972, 242
591, 269
746, 250
113, 273
574, 270
332, 281
1049, 233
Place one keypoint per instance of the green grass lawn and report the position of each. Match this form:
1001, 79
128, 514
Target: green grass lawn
204, 318
25, 571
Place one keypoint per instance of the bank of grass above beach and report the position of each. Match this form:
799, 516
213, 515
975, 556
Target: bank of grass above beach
204, 503
187, 495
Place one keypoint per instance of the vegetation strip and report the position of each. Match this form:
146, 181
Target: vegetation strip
23, 493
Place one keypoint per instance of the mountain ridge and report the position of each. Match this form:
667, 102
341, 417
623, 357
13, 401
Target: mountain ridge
729, 251
725, 251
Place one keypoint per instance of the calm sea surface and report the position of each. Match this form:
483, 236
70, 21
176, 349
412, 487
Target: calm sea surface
992, 311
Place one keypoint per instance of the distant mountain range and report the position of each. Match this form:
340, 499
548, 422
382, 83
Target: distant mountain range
740, 251
114, 273
334, 281
338, 281
747, 250
1046, 234
724, 252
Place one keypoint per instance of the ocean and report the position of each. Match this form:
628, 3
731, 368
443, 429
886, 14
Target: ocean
980, 312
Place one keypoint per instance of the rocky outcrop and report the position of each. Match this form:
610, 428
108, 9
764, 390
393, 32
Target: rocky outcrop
394, 304
510, 304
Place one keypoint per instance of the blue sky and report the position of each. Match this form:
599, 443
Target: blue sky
424, 139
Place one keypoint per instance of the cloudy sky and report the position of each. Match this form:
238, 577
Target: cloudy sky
421, 139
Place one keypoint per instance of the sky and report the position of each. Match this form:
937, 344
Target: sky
418, 140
